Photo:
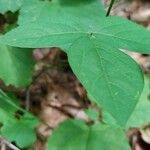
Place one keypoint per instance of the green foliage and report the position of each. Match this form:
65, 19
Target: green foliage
93, 114
16, 65
15, 127
81, 9
20, 131
141, 114
53, 29
94, 46
10, 5
7, 104
107, 77
91, 42
72, 135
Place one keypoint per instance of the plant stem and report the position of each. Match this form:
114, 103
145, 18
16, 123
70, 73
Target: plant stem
10, 145
110, 7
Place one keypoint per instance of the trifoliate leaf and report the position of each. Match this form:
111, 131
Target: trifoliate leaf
92, 43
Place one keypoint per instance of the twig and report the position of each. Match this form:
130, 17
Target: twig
110, 7
28, 99
3, 141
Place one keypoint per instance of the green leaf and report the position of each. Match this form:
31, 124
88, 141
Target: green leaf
73, 135
19, 130
92, 113
109, 76
92, 43
16, 65
45, 11
35, 22
8, 104
75, 22
10, 5
4, 117
141, 113
7, 109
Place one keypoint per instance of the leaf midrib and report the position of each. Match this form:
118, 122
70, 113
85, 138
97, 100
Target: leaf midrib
80, 34
105, 74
